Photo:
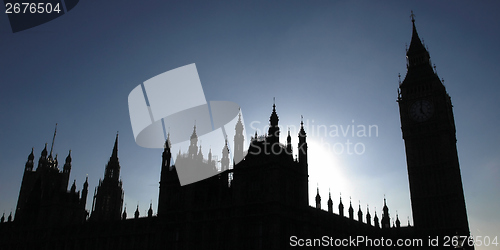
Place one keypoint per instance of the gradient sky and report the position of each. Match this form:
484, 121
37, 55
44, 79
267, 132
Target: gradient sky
334, 62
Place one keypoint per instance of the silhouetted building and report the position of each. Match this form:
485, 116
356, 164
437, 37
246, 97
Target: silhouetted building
44, 199
428, 127
261, 202
108, 196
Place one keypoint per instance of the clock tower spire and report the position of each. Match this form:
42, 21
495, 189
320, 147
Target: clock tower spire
429, 133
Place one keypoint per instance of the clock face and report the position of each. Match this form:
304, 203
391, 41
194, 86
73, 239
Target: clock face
421, 110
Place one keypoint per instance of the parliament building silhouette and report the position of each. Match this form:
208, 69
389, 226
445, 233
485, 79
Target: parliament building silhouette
259, 203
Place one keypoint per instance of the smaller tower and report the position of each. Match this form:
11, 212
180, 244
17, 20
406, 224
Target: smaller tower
360, 214
150, 211
318, 200
330, 202
67, 164
375, 219
225, 158
124, 214
73, 187
136, 214
351, 210
302, 148
386, 221
193, 147
85, 191
368, 216
29, 163
289, 144
398, 223
274, 129
341, 207
239, 140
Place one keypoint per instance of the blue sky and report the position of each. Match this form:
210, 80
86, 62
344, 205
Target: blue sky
334, 62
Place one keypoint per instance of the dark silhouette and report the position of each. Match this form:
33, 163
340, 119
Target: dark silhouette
261, 202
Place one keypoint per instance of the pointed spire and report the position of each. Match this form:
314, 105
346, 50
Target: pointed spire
3, 218
136, 214
193, 135
167, 142
274, 130
416, 54
360, 213
29, 163
68, 158
53, 139
112, 170
73, 187
239, 124
44, 151
341, 206
289, 143
385, 216
318, 199
368, 216
31, 156
124, 214
114, 155
150, 211
330, 202
351, 210
398, 223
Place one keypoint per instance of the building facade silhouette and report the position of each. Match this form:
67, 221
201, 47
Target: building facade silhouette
262, 201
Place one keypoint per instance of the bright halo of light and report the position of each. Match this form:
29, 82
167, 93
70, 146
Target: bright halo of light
325, 172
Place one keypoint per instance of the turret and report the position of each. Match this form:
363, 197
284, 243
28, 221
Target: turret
360, 214
341, 207
368, 216
42, 161
351, 210
85, 191
112, 171
73, 187
302, 148
398, 223
29, 162
239, 140
124, 214
330, 202
67, 164
289, 144
193, 146
318, 200
386, 221
274, 130
225, 158
136, 214
375, 219
150, 211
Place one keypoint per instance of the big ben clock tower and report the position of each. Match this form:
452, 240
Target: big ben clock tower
428, 128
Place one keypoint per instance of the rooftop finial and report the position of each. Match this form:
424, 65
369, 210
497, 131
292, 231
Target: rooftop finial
412, 17
53, 139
